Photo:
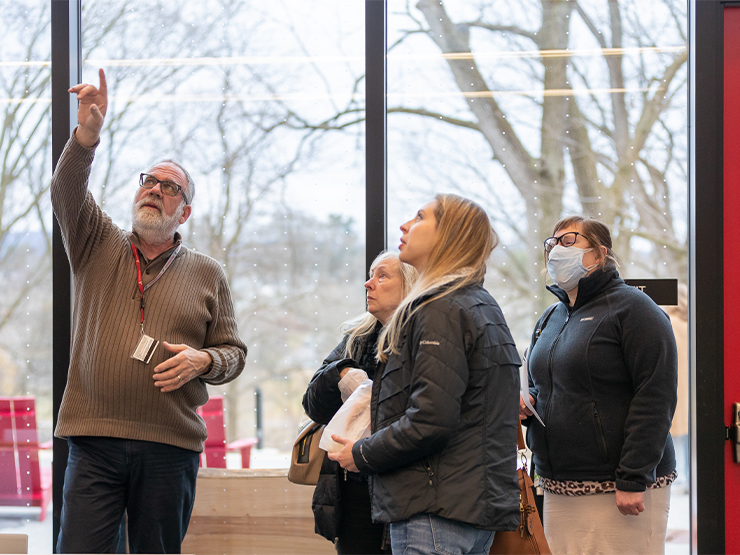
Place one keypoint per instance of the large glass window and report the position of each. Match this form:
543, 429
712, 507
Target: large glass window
541, 109
25, 261
242, 93
536, 109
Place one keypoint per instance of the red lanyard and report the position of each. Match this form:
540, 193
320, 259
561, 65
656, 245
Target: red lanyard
148, 285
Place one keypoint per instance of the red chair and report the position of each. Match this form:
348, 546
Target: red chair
215, 447
23, 483
244, 446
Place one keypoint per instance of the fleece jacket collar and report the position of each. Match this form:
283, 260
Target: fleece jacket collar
589, 287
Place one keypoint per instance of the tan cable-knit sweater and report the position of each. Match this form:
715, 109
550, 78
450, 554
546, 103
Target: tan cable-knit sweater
108, 393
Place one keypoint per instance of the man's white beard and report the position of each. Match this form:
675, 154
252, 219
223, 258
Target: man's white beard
154, 227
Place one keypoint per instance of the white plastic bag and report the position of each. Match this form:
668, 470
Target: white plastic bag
351, 381
352, 421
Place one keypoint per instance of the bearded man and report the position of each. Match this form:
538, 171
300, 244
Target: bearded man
129, 408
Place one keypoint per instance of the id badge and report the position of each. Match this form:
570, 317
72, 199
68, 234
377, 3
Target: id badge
145, 348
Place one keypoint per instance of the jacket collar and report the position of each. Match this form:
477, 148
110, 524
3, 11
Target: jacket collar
443, 283
589, 287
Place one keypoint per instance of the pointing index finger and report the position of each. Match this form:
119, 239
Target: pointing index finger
103, 84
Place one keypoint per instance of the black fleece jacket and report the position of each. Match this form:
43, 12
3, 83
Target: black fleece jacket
603, 373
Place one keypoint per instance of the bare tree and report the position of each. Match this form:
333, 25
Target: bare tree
604, 100
223, 113
24, 151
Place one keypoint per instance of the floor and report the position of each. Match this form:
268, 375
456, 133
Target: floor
18, 520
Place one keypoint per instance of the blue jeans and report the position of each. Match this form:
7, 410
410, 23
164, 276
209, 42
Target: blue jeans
424, 534
153, 482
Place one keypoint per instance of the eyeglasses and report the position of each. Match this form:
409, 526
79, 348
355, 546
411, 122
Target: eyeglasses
566, 239
169, 188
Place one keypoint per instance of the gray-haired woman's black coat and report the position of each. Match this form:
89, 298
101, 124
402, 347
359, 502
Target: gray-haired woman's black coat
321, 401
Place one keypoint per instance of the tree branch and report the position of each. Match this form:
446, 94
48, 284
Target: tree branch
493, 125
513, 29
435, 115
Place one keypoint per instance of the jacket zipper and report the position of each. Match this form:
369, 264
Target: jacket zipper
549, 372
429, 471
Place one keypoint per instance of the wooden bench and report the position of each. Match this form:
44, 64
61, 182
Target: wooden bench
252, 511
14, 543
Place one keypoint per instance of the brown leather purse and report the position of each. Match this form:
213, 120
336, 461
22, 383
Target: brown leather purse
307, 458
529, 537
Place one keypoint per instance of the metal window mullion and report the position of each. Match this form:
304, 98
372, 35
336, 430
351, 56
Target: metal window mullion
706, 280
66, 70
376, 197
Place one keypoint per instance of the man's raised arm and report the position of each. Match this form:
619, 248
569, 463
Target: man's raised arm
80, 218
93, 104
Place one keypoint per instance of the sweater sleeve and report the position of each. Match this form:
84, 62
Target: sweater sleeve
649, 348
322, 398
222, 340
437, 383
83, 224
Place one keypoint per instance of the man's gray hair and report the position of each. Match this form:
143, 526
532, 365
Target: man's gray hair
191, 183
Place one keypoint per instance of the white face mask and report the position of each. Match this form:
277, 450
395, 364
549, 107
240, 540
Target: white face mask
565, 266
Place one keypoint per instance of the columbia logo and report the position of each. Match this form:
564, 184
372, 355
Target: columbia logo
425, 342
587, 319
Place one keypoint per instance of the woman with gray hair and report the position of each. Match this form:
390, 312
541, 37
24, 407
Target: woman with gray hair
341, 501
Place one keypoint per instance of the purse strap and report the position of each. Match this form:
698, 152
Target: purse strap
520, 445
548, 312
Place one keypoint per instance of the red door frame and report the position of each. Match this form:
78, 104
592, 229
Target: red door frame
714, 269
731, 213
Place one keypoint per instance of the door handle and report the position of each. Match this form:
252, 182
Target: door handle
733, 432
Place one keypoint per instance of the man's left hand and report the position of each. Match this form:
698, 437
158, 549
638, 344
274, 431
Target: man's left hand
344, 457
186, 365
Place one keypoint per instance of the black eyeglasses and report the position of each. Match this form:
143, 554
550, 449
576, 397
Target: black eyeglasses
566, 239
169, 188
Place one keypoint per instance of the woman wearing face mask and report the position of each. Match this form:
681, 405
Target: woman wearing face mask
341, 501
444, 410
602, 372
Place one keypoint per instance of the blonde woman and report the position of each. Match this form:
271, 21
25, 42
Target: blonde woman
341, 500
444, 411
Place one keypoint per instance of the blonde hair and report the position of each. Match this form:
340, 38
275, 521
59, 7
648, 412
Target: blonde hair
360, 328
463, 243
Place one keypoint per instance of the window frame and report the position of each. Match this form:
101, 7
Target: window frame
66, 68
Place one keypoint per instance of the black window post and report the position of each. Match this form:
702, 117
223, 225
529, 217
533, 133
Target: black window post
66, 69
375, 130
706, 261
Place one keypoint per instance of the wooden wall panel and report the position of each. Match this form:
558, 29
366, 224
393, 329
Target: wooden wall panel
252, 512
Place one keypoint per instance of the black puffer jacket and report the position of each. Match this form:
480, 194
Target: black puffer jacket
321, 401
603, 374
445, 418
